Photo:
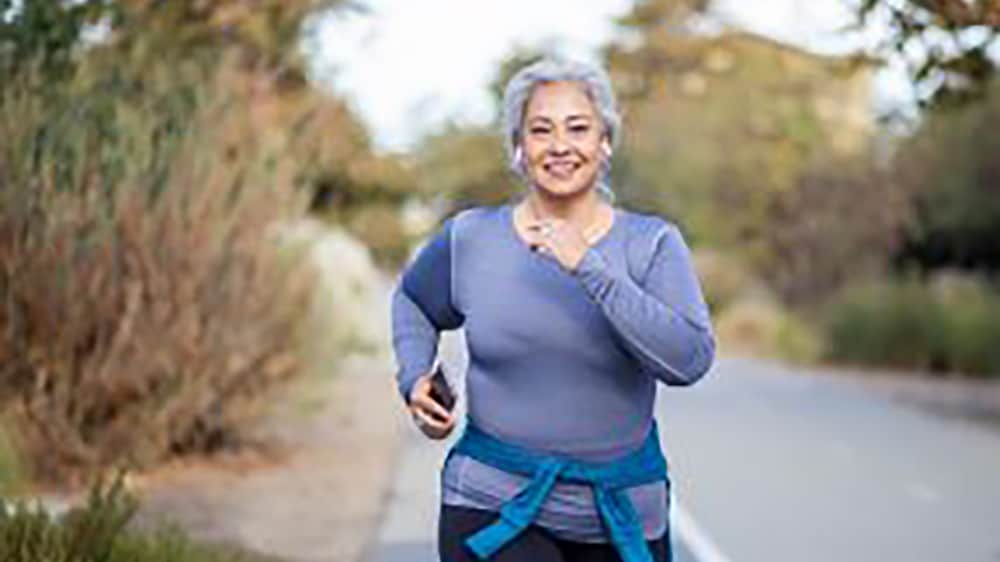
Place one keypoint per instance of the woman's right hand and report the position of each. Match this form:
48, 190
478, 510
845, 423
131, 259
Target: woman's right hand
432, 418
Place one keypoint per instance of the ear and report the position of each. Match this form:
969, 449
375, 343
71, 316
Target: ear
606, 147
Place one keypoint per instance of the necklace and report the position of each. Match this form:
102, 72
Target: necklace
589, 233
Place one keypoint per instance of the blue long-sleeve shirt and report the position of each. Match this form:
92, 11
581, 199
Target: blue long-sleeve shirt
559, 361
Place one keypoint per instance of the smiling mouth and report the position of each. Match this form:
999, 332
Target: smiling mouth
561, 169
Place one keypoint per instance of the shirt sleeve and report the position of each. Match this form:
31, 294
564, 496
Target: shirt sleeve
665, 322
422, 308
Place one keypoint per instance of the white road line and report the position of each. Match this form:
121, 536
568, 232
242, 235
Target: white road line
693, 537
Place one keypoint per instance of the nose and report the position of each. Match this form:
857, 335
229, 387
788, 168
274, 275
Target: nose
558, 146
558, 150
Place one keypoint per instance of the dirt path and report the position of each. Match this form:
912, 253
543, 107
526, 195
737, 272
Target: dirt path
315, 497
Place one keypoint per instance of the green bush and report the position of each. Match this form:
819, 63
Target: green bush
97, 532
972, 325
910, 324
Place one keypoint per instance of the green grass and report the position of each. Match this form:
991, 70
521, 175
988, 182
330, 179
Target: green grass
98, 532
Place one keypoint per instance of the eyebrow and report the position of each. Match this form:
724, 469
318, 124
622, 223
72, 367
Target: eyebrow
575, 116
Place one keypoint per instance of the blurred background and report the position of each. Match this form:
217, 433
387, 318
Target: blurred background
205, 204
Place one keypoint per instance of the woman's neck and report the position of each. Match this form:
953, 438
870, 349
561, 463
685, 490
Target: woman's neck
584, 211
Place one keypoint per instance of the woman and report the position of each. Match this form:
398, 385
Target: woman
573, 310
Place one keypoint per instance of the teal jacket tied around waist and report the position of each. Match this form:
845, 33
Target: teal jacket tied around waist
608, 479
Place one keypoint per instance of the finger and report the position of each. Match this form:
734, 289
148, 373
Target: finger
426, 400
420, 417
429, 421
437, 409
431, 407
442, 424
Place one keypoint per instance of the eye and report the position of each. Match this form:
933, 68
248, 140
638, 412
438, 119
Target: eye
538, 130
579, 128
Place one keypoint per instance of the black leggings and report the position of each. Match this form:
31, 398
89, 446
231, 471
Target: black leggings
534, 544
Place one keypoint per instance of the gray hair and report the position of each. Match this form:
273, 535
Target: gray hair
595, 84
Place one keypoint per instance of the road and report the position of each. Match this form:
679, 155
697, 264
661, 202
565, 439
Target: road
772, 464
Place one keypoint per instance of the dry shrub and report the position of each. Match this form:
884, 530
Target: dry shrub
143, 317
724, 277
839, 225
748, 318
762, 327
10, 466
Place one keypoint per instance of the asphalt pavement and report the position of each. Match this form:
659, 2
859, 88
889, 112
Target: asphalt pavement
772, 463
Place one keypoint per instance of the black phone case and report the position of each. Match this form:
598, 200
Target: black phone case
440, 391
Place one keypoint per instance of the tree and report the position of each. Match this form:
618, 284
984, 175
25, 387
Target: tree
754, 147
950, 168
44, 33
945, 42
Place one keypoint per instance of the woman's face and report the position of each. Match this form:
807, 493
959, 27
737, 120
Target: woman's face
562, 139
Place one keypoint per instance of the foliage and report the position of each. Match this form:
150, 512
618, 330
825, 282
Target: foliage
45, 33
943, 326
365, 195
146, 311
693, 142
11, 472
951, 171
757, 148
647, 15
723, 277
97, 532
758, 324
839, 224
945, 42
747, 316
467, 166
43, 42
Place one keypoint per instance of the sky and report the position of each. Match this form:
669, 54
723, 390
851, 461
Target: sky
409, 67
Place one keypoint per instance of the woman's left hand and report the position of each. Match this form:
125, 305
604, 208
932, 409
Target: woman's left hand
560, 239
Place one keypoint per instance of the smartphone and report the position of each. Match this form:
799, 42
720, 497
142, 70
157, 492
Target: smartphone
440, 390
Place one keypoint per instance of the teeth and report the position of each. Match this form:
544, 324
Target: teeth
564, 169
